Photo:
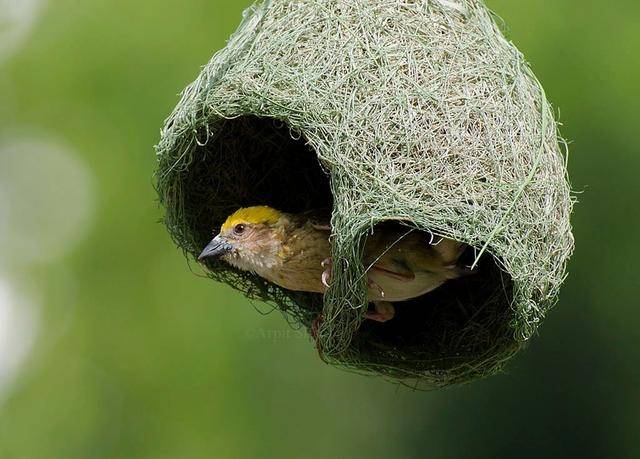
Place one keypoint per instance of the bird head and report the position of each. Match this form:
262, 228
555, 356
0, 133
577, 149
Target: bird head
250, 238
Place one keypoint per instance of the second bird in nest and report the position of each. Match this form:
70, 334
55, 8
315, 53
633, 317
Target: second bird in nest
293, 252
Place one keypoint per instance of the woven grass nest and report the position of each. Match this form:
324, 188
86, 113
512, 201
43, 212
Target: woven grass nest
415, 112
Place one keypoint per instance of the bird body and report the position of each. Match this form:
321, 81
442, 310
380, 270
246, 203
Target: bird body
293, 251
405, 263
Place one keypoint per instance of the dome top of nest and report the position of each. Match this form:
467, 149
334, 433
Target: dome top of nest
419, 112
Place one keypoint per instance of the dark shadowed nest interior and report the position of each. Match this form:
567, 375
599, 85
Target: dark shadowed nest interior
418, 113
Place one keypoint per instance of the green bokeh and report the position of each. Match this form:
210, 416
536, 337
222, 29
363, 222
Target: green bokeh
137, 357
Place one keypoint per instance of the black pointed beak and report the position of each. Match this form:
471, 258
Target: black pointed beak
216, 248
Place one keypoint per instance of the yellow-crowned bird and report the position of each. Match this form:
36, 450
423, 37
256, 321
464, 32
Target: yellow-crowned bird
293, 251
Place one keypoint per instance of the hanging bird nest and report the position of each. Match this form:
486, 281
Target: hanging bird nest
416, 112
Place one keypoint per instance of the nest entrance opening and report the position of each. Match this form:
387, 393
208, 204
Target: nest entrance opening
251, 161
448, 332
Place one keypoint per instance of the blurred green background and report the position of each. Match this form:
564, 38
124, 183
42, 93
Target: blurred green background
111, 348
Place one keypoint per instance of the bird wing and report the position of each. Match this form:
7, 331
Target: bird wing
399, 254
394, 269
383, 256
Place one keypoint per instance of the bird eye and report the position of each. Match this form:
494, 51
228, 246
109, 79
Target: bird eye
238, 229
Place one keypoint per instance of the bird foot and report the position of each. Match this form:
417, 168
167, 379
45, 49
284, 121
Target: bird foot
384, 311
327, 264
